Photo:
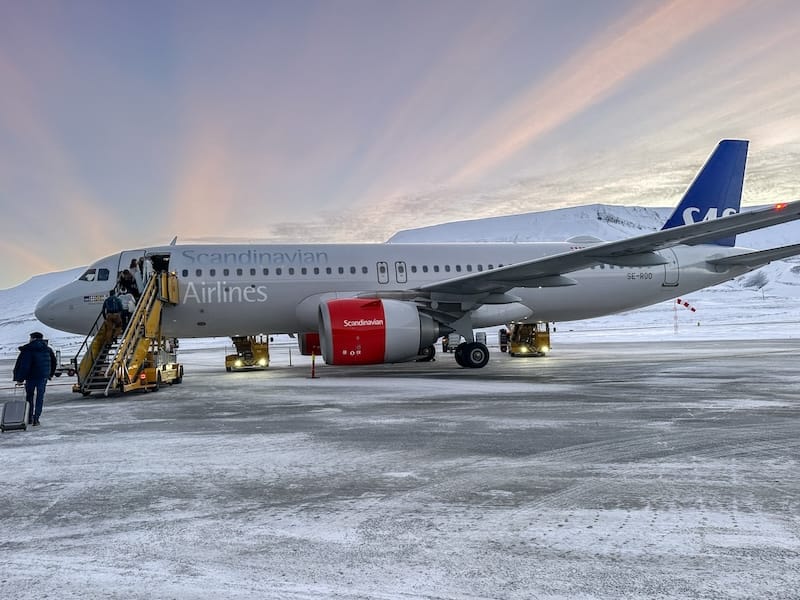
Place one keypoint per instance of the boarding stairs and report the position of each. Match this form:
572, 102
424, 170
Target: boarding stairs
116, 363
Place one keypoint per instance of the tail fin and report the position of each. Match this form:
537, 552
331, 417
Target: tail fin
716, 190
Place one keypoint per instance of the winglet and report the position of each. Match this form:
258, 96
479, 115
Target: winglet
716, 190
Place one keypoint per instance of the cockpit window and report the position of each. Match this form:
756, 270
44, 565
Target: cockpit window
95, 275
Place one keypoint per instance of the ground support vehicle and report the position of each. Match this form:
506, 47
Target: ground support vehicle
529, 339
252, 352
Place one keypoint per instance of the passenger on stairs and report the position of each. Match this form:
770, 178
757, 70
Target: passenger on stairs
136, 269
112, 312
127, 281
128, 306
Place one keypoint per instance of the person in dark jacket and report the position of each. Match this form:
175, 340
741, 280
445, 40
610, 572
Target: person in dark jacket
36, 364
112, 312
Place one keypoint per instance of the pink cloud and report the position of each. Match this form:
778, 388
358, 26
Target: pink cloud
594, 73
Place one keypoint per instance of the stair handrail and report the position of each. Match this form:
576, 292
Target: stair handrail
93, 330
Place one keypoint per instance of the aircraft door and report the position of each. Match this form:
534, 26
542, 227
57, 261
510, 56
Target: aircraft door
383, 272
400, 271
128, 259
127, 256
671, 269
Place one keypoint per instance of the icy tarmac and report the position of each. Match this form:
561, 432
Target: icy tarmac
617, 470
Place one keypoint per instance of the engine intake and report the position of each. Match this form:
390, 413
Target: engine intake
356, 331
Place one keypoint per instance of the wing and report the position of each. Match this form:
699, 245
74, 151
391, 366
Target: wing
636, 251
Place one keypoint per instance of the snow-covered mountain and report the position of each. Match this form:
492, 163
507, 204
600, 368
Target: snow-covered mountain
603, 221
758, 295
16, 312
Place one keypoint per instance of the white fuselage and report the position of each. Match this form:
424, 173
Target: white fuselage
247, 289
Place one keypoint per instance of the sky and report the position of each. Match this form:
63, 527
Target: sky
124, 124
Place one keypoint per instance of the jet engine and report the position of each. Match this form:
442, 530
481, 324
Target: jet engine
356, 331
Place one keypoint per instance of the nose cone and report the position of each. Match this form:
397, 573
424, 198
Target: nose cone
46, 311
59, 311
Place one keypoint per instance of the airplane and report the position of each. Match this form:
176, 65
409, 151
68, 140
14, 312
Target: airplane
386, 303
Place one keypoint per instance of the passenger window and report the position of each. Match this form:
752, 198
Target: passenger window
265, 271
316, 270
328, 270
303, 271
364, 270
198, 272
447, 268
291, 270
341, 270
212, 272
239, 272
90, 275
424, 268
352, 270
469, 268
102, 275
252, 271
490, 267
458, 268
226, 272
480, 267
278, 271
413, 268
185, 273
435, 268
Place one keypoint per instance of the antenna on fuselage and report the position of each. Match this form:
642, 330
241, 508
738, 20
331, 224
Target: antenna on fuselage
174, 241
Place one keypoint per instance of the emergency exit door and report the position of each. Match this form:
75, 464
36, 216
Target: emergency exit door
383, 272
400, 272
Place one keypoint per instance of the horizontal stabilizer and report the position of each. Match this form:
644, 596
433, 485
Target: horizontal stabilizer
759, 258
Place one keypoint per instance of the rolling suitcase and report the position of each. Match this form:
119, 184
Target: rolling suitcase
15, 415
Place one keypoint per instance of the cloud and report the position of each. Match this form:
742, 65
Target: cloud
204, 192
594, 73
49, 167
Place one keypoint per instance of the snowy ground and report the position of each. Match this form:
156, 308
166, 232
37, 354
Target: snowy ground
638, 469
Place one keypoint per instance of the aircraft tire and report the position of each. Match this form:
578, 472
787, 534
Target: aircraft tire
459, 354
474, 355
428, 354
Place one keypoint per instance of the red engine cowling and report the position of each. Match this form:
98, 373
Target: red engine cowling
309, 344
357, 331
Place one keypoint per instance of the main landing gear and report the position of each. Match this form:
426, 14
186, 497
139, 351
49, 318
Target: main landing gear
472, 355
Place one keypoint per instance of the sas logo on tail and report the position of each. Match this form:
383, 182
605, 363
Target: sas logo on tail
713, 213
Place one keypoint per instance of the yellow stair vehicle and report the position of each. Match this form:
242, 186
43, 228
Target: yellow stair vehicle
529, 339
138, 359
252, 352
